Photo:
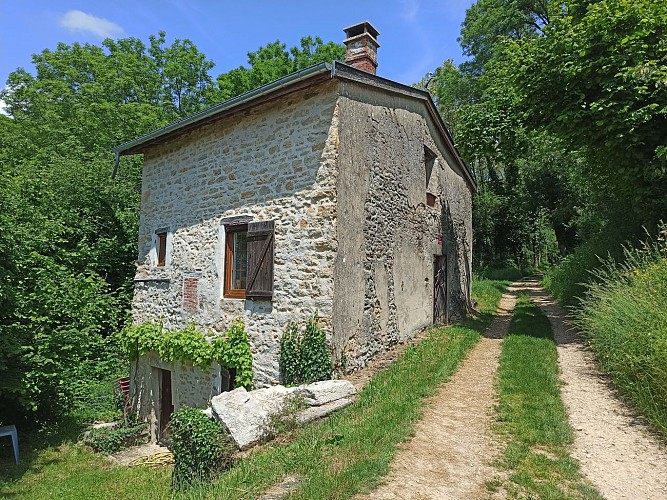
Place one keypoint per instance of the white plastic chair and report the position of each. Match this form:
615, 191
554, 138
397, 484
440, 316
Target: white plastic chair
10, 430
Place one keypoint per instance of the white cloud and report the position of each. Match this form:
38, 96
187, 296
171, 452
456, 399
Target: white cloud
75, 20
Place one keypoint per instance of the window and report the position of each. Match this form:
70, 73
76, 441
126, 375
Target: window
236, 261
249, 260
161, 248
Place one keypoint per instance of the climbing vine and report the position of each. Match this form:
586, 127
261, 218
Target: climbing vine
190, 344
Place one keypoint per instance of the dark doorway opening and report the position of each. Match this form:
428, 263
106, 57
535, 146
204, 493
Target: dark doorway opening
166, 404
227, 379
440, 290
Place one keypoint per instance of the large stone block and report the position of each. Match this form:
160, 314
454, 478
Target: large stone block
326, 391
242, 415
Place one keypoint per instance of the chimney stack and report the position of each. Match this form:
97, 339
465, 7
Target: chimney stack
362, 47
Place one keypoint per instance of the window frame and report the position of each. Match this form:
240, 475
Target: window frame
161, 240
228, 291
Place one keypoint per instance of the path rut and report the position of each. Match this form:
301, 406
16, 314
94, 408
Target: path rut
451, 452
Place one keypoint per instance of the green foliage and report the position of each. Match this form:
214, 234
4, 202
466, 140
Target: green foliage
189, 344
96, 401
290, 359
275, 61
596, 79
200, 448
235, 351
623, 314
110, 441
305, 357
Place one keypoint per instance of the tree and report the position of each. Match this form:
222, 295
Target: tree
596, 79
274, 61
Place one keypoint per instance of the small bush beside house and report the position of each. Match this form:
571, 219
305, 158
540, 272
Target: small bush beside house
200, 448
305, 357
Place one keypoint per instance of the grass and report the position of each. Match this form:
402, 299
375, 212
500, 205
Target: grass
335, 458
506, 273
54, 466
624, 315
531, 416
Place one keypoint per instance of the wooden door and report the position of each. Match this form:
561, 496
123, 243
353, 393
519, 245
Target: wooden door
440, 290
166, 402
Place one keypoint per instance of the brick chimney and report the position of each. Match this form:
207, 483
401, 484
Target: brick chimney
362, 47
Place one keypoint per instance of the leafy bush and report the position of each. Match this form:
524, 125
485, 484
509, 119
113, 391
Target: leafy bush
200, 448
109, 441
190, 344
623, 312
305, 356
508, 272
236, 353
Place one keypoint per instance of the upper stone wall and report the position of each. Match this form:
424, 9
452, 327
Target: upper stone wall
276, 161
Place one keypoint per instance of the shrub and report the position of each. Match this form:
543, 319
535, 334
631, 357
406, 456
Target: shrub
285, 419
110, 441
200, 448
305, 356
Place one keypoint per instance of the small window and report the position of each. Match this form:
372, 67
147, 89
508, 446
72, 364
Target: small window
161, 248
236, 261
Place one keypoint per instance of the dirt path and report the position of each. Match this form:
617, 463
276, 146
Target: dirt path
615, 449
451, 453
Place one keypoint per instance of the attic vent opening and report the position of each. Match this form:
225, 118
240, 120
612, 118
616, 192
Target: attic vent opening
429, 162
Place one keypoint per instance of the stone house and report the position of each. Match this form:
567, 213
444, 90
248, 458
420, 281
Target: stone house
331, 189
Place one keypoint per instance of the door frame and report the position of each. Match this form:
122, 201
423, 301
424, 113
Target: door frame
440, 289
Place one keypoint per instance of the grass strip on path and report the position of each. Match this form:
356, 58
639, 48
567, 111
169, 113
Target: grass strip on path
531, 415
351, 450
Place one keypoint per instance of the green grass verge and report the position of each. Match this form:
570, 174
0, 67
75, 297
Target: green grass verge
336, 458
624, 316
531, 416
350, 451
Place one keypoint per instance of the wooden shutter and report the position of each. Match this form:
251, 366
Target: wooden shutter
260, 259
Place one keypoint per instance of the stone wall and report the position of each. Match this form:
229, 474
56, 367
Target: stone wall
384, 271
276, 161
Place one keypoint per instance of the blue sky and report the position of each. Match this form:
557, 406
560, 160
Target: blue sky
416, 36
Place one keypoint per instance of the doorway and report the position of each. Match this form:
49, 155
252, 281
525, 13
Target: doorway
165, 403
440, 290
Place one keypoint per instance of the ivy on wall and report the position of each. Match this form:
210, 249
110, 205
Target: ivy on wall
190, 344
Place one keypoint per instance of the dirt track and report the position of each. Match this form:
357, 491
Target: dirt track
451, 453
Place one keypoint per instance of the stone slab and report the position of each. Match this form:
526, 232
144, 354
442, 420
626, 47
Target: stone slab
242, 415
315, 412
326, 391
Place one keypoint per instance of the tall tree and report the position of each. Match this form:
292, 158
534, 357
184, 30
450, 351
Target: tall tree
273, 61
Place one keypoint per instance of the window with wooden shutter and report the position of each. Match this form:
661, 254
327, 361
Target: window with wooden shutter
260, 259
